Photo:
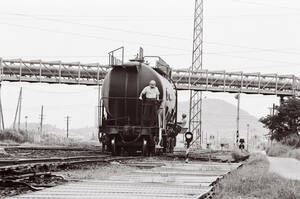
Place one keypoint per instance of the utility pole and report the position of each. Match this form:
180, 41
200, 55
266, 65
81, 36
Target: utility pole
195, 112
218, 139
20, 108
68, 120
238, 97
206, 138
99, 119
248, 136
18, 111
1, 110
26, 117
41, 121
272, 110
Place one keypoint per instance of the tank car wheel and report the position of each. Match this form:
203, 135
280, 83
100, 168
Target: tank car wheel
171, 145
145, 148
103, 147
114, 149
131, 151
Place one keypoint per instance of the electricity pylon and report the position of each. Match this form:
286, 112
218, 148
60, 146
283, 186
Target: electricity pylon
195, 113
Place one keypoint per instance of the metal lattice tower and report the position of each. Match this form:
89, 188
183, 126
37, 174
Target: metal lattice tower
195, 114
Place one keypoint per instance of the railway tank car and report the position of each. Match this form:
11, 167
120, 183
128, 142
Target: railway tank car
122, 127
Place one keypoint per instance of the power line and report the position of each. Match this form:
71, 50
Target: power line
158, 46
92, 36
100, 27
253, 48
150, 34
255, 59
159, 17
267, 5
154, 18
215, 43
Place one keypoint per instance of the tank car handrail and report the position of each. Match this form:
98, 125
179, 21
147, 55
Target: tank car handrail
133, 126
120, 98
118, 118
133, 98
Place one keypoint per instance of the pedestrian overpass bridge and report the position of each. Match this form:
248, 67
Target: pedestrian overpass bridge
57, 72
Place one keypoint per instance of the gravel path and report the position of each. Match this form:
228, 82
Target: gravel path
285, 167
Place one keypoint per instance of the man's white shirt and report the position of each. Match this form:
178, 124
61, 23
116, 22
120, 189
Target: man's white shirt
151, 93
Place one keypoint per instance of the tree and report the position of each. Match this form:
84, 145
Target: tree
284, 125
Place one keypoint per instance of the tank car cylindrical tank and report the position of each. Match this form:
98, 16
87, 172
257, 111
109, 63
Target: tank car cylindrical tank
122, 126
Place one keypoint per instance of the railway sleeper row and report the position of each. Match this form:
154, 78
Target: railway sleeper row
20, 170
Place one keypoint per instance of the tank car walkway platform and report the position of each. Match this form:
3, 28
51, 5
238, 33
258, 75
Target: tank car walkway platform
173, 180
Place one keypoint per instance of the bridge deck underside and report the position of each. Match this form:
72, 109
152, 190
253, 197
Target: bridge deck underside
93, 74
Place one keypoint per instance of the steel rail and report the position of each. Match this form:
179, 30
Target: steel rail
14, 168
52, 148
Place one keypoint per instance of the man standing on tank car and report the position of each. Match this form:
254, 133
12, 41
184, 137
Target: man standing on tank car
150, 96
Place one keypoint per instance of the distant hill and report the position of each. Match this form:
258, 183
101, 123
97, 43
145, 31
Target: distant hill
219, 119
84, 133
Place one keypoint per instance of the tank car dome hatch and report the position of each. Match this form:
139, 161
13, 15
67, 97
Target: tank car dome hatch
159, 66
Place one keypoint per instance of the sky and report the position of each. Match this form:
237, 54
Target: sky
239, 35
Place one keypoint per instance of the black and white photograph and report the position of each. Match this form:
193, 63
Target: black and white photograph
150, 99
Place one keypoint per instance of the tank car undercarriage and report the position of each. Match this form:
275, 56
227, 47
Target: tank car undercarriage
134, 140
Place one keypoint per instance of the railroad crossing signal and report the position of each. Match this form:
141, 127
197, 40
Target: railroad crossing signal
188, 138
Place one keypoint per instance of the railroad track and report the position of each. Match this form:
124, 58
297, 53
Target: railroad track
62, 160
16, 171
36, 174
153, 178
49, 148
163, 177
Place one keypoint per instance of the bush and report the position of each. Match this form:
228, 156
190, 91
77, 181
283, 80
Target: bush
291, 140
238, 155
277, 149
13, 135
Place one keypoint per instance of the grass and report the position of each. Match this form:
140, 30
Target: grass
281, 150
10, 136
277, 149
254, 181
294, 153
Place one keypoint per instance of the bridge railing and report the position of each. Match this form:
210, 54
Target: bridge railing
52, 72
235, 82
203, 80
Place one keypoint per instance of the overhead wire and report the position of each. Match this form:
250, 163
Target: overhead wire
101, 27
154, 35
267, 5
92, 36
158, 35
